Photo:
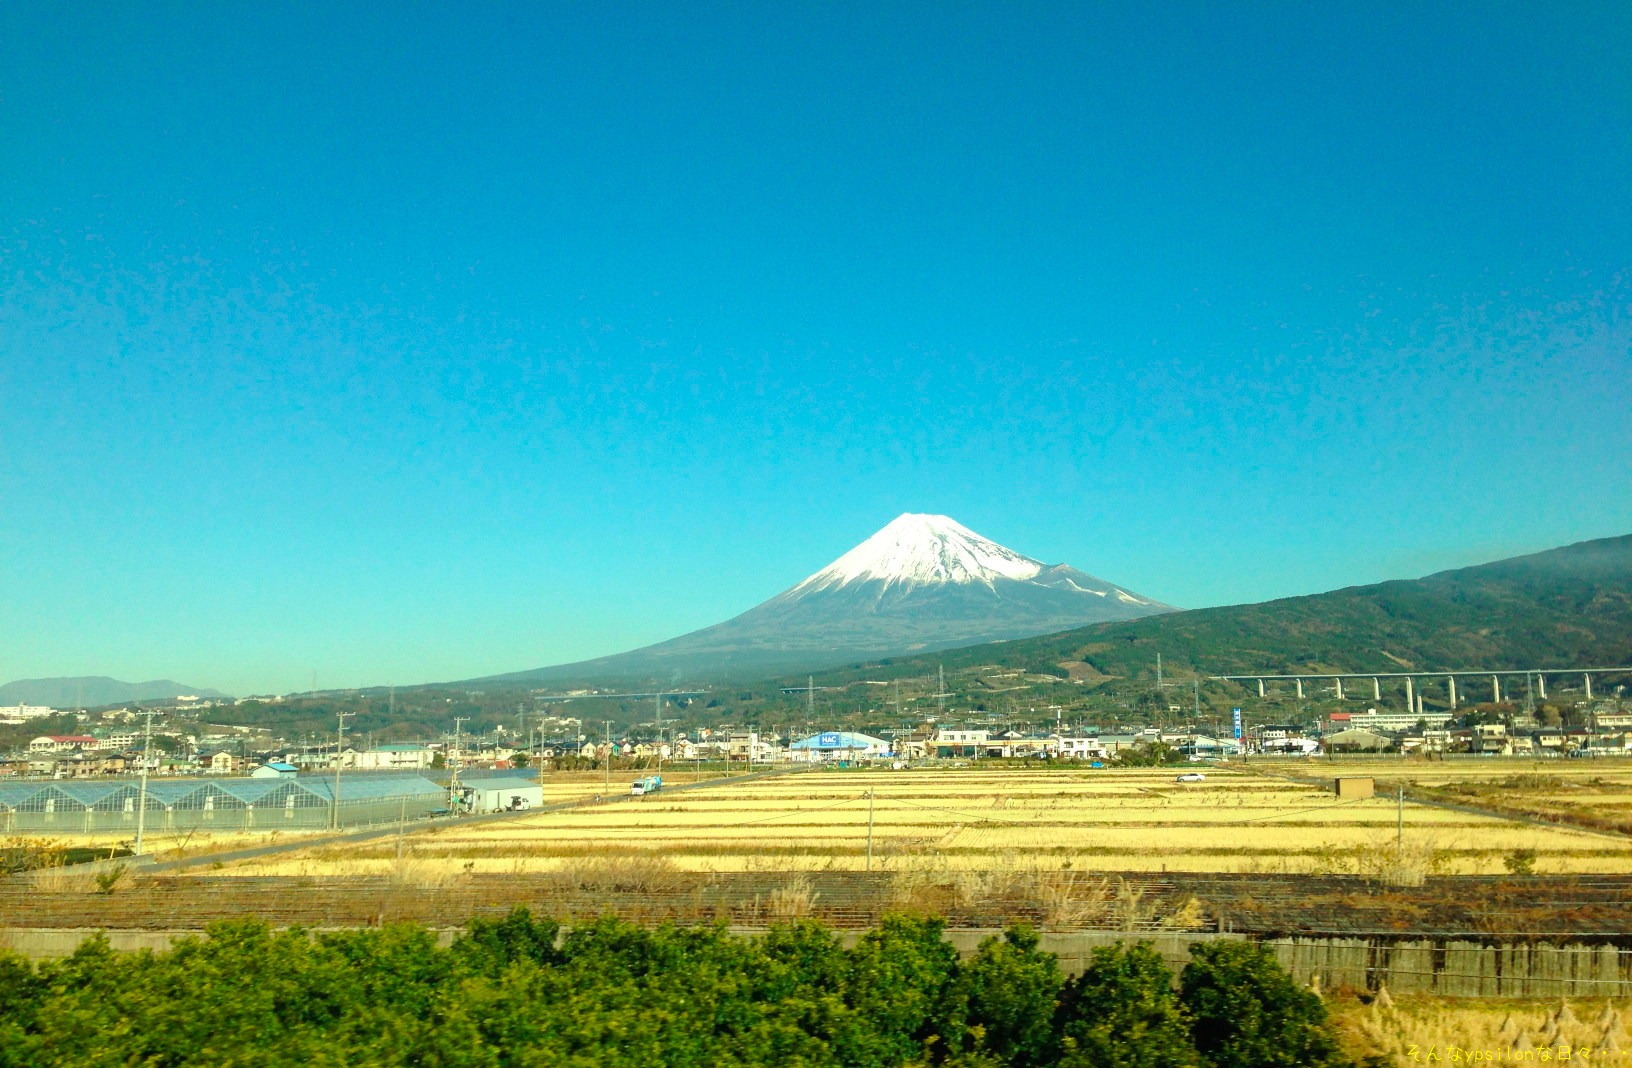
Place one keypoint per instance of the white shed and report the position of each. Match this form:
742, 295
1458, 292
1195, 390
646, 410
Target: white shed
504, 794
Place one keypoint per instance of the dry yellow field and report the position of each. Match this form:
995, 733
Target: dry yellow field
1421, 1029
1417, 771
987, 819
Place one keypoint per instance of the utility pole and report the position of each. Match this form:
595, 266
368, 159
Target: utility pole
810, 700
339, 758
940, 691
659, 735
459, 759
869, 830
1196, 683
608, 757
141, 803
1399, 822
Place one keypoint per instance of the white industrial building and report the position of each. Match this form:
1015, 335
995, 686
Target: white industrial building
837, 745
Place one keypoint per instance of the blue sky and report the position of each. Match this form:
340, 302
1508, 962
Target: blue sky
412, 343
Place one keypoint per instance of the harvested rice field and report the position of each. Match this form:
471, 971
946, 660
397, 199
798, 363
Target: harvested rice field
1594, 793
990, 819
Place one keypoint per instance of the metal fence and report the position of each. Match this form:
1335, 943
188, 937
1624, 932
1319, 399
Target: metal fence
70, 808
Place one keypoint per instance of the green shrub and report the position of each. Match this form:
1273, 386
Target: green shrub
1246, 1012
614, 993
1008, 991
1122, 1010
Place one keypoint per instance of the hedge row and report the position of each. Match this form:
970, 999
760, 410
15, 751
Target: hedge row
516, 992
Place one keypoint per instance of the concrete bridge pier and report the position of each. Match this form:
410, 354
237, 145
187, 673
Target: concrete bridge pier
1586, 680
1339, 688
1260, 687
1411, 695
1496, 689
1450, 682
1541, 685
1376, 689
1300, 689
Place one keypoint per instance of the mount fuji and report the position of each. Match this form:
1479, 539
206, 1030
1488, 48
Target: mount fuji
922, 583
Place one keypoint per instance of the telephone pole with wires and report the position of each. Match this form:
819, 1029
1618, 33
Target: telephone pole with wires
339, 759
141, 803
454, 797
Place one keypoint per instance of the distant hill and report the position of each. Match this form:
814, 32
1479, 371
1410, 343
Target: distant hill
1567, 607
92, 691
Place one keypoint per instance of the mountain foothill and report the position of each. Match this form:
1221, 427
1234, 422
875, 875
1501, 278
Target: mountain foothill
926, 593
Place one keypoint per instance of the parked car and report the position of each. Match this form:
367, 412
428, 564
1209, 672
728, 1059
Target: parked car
1191, 776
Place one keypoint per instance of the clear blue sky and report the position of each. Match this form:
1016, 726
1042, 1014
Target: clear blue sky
426, 341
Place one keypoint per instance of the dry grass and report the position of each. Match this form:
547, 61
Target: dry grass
1403, 1031
989, 825
623, 874
62, 880
1073, 899
794, 900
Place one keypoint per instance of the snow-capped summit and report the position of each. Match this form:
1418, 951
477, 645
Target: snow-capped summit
919, 549
923, 582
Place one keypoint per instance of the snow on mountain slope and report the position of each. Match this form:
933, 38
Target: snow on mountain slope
919, 549
924, 552
923, 582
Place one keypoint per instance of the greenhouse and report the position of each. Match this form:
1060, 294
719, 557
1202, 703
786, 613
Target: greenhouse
87, 807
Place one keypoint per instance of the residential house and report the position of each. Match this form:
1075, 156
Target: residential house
959, 743
275, 769
62, 743
1490, 739
748, 746
1077, 747
393, 757
1119, 743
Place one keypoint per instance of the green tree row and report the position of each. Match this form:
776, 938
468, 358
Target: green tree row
514, 991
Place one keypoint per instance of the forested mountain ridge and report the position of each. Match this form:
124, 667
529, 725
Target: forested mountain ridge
1565, 607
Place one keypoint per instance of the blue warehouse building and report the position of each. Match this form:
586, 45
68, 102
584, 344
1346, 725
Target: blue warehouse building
838, 746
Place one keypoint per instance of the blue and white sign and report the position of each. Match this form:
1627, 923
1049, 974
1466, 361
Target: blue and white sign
829, 740
1237, 713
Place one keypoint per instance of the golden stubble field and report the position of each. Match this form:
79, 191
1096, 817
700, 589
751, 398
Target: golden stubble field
1592, 792
984, 819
